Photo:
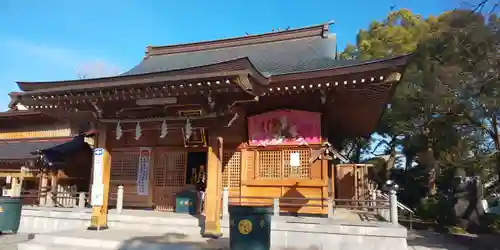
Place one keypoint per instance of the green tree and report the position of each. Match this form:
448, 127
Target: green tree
449, 91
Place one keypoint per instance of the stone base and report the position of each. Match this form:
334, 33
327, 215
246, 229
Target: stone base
321, 233
286, 232
97, 228
41, 220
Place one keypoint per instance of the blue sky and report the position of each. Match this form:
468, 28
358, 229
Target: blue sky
56, 39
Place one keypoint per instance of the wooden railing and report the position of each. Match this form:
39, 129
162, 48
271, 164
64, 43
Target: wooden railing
288, 202
387, 204
368, 205
47, 198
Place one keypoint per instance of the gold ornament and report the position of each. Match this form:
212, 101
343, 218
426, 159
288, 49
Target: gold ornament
245, 227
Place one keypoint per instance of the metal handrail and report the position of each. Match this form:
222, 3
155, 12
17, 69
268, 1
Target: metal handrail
400, 205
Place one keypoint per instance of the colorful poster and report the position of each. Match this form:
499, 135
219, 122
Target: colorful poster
285, 127
143, 171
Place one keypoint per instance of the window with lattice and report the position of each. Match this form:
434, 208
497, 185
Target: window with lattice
170, 169
124, 165
276, 164
231, 171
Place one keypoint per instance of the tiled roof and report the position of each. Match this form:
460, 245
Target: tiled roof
274, 58
58, 152
19, 150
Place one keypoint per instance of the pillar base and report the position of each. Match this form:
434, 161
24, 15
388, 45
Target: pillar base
97, 228
211, 235
212, 230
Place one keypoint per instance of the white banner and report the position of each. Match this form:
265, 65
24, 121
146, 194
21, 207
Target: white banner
97, 195
97, 191
143, 171
98, 165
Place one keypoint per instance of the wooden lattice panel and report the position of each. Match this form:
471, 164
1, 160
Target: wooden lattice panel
169, 178
124, 165
270, 165
170, 169
302, 172
130, 197
275, 165
164, 198
250, 164
231, 174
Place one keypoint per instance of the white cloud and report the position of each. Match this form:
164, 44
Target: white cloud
78, 61
97, 68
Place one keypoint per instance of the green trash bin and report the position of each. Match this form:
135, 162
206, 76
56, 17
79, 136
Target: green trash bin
250, 227
185, 202
10, 214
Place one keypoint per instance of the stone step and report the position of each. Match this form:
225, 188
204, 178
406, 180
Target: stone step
9, 240
151, 224
39, 221
114, 239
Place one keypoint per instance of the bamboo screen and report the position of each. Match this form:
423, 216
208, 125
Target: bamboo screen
231, 171
170, 169
124, 166
275, 164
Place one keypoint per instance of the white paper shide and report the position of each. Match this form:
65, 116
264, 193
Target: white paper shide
295, 159
143, 171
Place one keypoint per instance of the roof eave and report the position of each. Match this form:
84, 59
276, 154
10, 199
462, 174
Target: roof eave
395, 62
246, 68
19, 113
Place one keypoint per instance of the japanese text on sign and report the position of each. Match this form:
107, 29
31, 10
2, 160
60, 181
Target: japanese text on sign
143, 171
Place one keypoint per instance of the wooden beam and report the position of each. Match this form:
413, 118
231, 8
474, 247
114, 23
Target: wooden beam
18, 175
213, 192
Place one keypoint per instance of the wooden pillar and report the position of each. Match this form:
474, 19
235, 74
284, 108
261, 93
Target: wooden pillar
151, 176
213, 190
53, 189
101, 180
44, 189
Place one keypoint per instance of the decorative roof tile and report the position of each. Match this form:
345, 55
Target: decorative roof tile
273, 58
22, 149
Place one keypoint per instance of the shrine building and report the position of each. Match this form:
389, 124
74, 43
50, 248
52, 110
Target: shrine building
36, 150
254, 110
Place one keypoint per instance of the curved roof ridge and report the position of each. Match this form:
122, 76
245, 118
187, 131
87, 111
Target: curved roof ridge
310, 31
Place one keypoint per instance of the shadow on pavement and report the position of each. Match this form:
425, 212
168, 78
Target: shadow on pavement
478, 242
433, 240
173, 241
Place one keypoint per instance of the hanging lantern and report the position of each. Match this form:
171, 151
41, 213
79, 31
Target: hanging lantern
164, 130
210, 101
188, 129
138, 131
119, 131
323, 97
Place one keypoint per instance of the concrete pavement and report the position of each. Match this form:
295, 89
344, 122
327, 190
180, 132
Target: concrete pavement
10, 241
420, 240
